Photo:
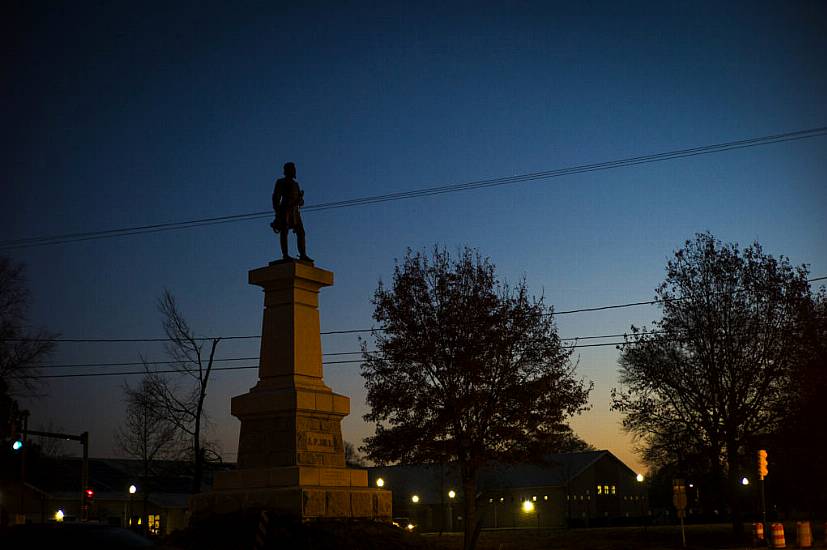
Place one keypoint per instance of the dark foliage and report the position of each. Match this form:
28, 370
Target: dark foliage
466, 369
714, 373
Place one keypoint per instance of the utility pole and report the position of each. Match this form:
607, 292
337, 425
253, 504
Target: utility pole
84, 474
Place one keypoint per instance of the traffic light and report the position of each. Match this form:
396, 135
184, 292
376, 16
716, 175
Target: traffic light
16, 439
762, 463
88, 495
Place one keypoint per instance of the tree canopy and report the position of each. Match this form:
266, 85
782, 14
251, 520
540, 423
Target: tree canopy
714, 372
465, 369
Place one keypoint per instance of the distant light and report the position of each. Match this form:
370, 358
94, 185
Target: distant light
17, 445
545, 497
59, 515
691, 485
380, 482
744, 481
534, 498
528, 506
452, 493
415, 499
639, 477
132, 489
410, 527
502, 499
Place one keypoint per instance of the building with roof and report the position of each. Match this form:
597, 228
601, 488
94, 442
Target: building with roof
54, 484
588, 488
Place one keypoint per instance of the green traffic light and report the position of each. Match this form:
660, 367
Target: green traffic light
17, 445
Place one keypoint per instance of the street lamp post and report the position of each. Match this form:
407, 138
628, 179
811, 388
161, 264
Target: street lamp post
132, 491
451, 495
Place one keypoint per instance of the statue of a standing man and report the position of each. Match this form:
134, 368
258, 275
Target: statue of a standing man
288, 198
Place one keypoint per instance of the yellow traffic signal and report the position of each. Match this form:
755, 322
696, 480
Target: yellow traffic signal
762, 463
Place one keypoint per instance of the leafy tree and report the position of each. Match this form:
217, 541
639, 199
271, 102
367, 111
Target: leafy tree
353, 457
797, 445
179, 399
714, 372
466, 369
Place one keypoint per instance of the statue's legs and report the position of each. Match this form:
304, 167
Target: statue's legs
283, 242
300, 241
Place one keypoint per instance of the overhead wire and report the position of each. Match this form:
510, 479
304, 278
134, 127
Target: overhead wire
351, 331
422, 192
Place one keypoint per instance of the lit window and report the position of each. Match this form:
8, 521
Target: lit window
613, 489
599, 490
154, 524
605, 489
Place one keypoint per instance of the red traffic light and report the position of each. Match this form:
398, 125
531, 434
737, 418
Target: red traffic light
90, 494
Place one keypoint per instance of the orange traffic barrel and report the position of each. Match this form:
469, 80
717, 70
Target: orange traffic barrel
803, 534
757, 533
777, 530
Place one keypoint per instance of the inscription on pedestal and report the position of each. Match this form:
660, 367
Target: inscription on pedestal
320, 443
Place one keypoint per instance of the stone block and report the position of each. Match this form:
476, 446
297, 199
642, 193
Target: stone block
308, 475
313, 503
341, 405
338, 504
324, 402
306, 400
382, 505
334, 477
361, 505
358, 478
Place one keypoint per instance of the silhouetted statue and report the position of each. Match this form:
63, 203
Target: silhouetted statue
288, 198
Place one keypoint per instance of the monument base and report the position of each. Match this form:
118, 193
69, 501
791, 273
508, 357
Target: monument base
310, 502
291, 458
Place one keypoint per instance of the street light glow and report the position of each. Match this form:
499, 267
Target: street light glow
415, 499
132, 489
451, 494
59, 515
380, 482
744, 481
639, 477
528, 506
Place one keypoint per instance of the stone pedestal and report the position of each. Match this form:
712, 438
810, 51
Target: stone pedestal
291, 456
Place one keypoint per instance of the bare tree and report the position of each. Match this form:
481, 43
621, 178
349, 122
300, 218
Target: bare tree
148, 436
180, 398
20, 348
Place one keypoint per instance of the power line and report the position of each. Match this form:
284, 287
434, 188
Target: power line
428, 191
333, 354
175, 371
354, 331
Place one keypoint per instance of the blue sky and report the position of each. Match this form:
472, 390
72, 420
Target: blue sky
117, 115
